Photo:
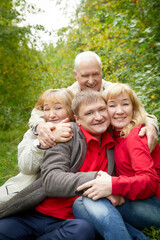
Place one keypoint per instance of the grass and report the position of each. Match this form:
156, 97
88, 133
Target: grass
153, 233
9, 140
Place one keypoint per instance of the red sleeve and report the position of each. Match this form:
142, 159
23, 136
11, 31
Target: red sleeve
144, 180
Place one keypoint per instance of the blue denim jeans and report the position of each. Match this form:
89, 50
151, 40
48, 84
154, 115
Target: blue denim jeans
105, 219
141, 213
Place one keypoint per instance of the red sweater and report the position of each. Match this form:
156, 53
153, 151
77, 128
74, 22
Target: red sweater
135, 167
95, 160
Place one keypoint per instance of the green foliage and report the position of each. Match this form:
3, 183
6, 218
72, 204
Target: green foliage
8, 152
19, 67
153, 233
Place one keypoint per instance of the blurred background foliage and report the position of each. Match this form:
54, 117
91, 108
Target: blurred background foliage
124, 33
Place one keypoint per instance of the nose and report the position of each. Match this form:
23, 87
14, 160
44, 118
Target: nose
90, 80
98, 116
52, 113
119, 109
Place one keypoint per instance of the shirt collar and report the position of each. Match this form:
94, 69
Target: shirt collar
106, 138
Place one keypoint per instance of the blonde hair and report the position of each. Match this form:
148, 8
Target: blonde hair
139, 114
64, 96
84, 98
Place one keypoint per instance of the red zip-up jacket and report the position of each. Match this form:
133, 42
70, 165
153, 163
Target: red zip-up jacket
137, 171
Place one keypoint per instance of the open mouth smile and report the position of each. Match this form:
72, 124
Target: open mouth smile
119, 118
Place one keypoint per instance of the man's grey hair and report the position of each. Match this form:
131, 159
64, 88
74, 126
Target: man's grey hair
86, 56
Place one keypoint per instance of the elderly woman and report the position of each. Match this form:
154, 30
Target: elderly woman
55, 106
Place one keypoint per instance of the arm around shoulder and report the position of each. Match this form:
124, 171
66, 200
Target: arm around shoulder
152, 120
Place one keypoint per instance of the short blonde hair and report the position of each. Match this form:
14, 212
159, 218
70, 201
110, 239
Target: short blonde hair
84, 98
64, 96
139, 114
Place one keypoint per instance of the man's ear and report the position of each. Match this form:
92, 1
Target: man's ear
77, 119
75, 74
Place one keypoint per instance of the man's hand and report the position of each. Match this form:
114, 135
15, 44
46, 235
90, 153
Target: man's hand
99, 187
151, 134
116, 200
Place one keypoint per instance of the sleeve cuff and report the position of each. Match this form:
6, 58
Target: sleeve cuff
34, 129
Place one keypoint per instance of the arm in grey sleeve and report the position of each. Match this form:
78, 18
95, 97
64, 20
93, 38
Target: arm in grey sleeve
58, 179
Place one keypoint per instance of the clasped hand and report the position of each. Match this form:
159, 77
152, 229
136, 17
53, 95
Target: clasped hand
101, 187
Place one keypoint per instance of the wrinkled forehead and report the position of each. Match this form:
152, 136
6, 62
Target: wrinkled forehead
89, 64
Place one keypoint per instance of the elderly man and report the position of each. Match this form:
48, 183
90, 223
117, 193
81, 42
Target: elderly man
88, 73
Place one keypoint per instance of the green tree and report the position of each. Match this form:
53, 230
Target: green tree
19, 64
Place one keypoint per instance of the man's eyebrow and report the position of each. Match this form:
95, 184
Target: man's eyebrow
83, 73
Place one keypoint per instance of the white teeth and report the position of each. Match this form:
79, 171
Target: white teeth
119, 119
91, 86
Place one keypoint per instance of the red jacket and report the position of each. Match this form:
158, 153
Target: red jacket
135, 167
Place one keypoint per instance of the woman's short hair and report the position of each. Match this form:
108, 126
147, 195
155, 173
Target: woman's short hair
139, 114
84, 98
63, 95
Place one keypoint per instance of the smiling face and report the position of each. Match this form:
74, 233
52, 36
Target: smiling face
120, 110
89, 75
93, 117
54, 112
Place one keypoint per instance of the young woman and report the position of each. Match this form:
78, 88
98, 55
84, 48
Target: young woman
137, 171
55, 106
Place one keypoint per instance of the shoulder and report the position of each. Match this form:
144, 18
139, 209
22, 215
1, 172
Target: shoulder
77, 133
134, 140
105, 85
75, 88
135, 131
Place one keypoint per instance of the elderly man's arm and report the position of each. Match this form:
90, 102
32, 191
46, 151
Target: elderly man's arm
151, 130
